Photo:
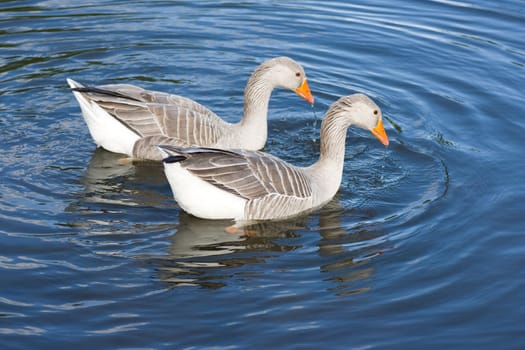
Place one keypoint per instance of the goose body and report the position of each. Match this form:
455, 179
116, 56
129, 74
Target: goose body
127, 119
249, 185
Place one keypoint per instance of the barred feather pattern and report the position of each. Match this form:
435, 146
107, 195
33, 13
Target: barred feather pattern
150, 113
156, 97
271, 186
146, 147
274, 206
249, 174
193, 127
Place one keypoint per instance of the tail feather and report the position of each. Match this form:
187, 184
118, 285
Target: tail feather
171, 154
100, 91
174, 159
107, 130
73, 84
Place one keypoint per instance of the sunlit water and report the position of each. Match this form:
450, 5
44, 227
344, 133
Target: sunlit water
423, 246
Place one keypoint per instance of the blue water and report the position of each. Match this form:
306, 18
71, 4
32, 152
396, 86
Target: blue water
423, 247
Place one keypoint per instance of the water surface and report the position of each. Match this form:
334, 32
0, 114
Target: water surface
422, 246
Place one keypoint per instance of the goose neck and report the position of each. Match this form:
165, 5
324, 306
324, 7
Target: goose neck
332, 139
256, 100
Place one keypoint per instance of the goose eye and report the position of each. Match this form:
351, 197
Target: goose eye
376, 112
298, 74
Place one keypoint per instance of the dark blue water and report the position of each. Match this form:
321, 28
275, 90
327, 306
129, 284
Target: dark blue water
423, 247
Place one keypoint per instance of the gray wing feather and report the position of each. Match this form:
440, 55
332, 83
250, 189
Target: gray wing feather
150, 113
189, 125
157, 97
276, 206
249, 174
147, 147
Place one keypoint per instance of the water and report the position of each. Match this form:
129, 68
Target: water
422, 247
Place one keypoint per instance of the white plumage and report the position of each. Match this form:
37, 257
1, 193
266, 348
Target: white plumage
200, 198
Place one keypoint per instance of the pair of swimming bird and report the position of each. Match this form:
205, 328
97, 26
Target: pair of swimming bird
215, 168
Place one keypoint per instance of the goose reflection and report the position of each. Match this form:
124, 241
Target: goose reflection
117, 196
110, 178
201, 253
349, 238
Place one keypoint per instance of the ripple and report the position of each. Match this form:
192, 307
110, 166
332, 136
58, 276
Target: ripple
28, 330
69, 265
7, 263
79, 305
424, 234
13, 302
121, 329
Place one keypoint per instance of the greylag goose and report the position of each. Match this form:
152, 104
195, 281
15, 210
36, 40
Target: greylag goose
127, 119
252, 185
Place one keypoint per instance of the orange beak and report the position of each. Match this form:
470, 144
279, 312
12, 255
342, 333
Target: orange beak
379, 132
304, 92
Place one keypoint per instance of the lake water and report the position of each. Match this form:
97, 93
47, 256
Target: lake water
423, 247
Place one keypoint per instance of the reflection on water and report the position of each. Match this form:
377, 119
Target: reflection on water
114, 179
110, 173
351, 246
201, 252
421, 247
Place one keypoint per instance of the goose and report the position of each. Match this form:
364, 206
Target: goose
127, 119
249, 186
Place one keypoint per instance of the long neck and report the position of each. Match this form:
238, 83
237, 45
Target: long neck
254, 123
256, 99
328, 170
333, 137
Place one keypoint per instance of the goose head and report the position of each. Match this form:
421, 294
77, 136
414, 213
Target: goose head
283, 72
358, 110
